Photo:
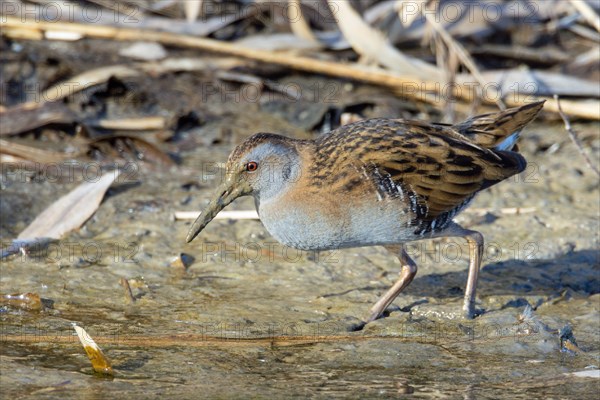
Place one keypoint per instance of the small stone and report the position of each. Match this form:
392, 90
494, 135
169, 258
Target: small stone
182, 261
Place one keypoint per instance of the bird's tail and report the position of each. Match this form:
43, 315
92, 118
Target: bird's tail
499, 131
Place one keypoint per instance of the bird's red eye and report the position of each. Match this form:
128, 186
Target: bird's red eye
252, 166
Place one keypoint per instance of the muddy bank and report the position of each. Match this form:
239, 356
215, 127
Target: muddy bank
250, 317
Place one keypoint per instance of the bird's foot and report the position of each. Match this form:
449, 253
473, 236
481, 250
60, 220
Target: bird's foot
470, 312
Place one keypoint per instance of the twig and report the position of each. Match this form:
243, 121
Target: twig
585, 32
246, 214
462, 53
522, 53
409, 86
587, 12
131, 124
244, 339
574, 137
128, 293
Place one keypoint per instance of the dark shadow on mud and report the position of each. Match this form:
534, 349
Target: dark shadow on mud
577, 270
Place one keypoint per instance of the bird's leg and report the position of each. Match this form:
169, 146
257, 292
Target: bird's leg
408, 272
475, 240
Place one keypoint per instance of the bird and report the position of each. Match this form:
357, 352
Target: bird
376, 182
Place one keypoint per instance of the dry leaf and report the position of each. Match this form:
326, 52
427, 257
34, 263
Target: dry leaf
299, 25
373, 45
87, 79
70, 211
277, 42
100, 362
70, 12
587, 12
192, 9
35, 153
31, 115
586, 373
148, 51
539, 83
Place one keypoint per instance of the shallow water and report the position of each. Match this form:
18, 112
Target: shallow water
251, 318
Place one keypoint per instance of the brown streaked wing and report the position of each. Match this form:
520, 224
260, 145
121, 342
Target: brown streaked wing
441, 169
